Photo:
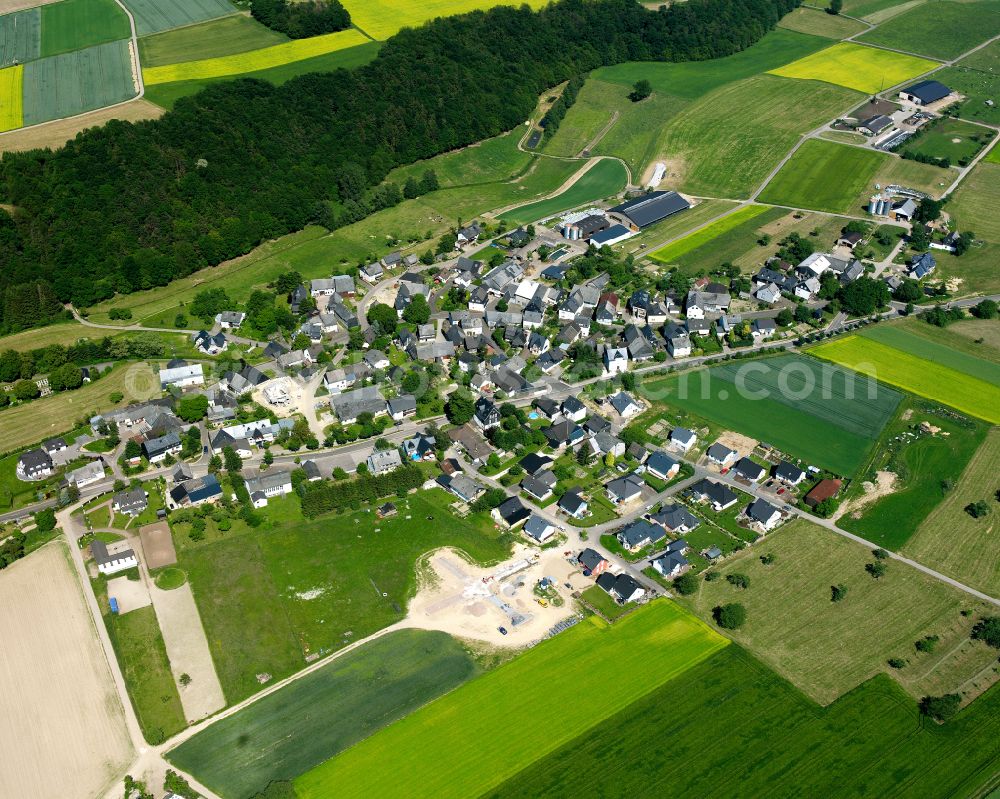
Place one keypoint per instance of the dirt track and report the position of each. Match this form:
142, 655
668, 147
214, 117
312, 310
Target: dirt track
62, 728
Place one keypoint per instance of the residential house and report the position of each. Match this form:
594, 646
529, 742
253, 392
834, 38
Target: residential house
87, 474
662, 466
195, 491
209, 344
604, 443
676, 518
822, 491
538, 529
768, 294
789, 473
607, 309
624, 489
34, 464
671, 565
749, 470
593, 562
539, 485
182, 376
342, 285
624, 587
471, 441
562, 434
511, 513
371, 273
468, 235
465, 488
719, 496
487, 415
615, 360
701, 303
349, 405
678, 340
402, 407
922, 265
573, 409
230, 320
131, 503
721, 455
764, 513
625, 405
682, 439
573, 504
113, 558
382, 461
376, 359
157, 449
311, 468
640, 534
268, 486
338, 380
533, 463
420, 447
392, 259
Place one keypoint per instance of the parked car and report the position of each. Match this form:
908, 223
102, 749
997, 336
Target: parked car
503, 630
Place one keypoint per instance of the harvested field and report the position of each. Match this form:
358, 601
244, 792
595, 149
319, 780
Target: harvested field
58, 132
157, 546
20, 36
10, 6
380, 19
865, 69
828, 648
11, 97
448, 748
62, 728
153, 16
314, 718
71, 83
916, 374
819, 23
255, 60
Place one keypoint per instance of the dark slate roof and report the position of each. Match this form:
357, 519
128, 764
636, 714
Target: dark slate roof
761, 510
652, 207
788, 471
607, 581
534, 462
639, 531
661, 462
675, 516
929, 91
748, 469
590, 559
513, 511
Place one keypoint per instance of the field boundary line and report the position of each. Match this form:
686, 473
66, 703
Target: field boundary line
135, 51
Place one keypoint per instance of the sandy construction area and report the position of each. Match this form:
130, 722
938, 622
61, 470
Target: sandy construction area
131, 594
187, 648
157, 545
471, 602
62, 728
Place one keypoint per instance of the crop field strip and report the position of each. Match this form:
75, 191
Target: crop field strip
255, 60
11, 97
76, 24
71, 83
902, 339
952, 541
699, 238
732, 709
864, 69
918, 375
819, 23
942, 29
603, 179
829, 648
153, 16
725, 144
450, 748
20, 36
380, 19
976, 76
327, 711
217, 37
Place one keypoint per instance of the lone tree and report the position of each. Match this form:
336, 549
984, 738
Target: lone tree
838, 592
729, 616
877, 569
739, 580
686, 584
977, 509
835, 7
940, 708
896, 663
988, 630
459, 408
641, 89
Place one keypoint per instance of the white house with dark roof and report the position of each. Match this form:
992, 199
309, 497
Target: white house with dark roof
721, 455
764, 514
682, 439
113, 558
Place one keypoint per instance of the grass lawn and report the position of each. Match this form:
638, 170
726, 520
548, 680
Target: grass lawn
971, 209
64, 333
827, 648
600, 600
166, 94
942, 29
218, 37
865, 69
603, 179
294, 587
843, 136
100, 518
952, 139
732, 709
953, 542
951, 385
780, 400
311, 720
820, 23
490, 160
75, 24
922, 462
170, 578
978, 78
725, 144
142, 656
448, 748
877, 10
692, 241
834, 177
40, 419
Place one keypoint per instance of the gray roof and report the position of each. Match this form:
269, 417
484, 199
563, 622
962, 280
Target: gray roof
640, 532
536, 526
675, 516
928, 91
652, 207
761, 510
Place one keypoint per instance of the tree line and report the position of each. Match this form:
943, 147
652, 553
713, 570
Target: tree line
303, 18
130, 206
324, 497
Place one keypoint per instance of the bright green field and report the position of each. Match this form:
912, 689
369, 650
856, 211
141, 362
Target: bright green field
794, 403
20, 36
76, 24
865, 69
153, 16
248, 583
731, 727
380, 19
692, 241
903, 339
835, 177
71, 83
941, 29
166, 94
494, 159
605, 178
488, 730
217, 37
312, 719
726, 143
916, 374
240, 63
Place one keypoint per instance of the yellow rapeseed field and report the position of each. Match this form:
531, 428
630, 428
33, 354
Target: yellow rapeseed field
11, 98
866, 69
382, 18
265, 58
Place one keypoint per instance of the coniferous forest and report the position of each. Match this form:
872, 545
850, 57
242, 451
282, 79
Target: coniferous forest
131, 206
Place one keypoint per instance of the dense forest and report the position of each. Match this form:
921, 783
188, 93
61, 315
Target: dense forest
131, 206
302, 18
